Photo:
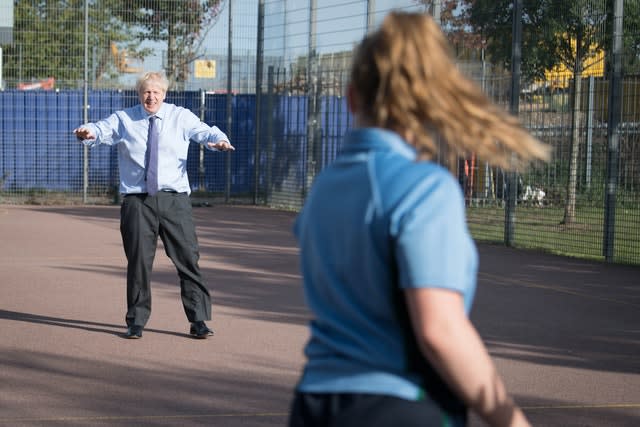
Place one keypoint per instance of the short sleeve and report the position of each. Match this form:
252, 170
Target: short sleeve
433, 247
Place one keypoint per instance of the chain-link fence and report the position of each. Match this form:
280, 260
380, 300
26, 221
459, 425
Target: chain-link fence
271, 73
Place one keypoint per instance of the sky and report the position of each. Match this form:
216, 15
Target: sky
339, 25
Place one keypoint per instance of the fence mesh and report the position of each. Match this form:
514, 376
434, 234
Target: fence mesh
272, 74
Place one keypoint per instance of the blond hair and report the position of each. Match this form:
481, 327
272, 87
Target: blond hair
153, 78
405, 79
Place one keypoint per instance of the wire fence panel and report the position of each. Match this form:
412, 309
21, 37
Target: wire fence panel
273, 73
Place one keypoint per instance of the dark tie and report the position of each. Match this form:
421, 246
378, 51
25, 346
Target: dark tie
151, 157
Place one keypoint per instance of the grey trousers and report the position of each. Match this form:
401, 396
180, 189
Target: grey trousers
142, 219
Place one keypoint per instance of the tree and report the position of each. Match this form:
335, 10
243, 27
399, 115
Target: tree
40, 50
49, 37
584, 26
631, 36
454, 17
178, 23
554, 32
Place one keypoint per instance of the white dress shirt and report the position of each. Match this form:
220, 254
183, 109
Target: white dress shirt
178, 127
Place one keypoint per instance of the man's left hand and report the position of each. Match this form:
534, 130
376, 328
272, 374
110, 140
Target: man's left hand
221, 145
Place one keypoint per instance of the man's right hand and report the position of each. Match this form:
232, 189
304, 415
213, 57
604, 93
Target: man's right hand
83, 133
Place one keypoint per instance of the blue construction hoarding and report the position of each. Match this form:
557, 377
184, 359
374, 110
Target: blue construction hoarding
39, 151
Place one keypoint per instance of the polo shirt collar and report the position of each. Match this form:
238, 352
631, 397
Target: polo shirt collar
377, 139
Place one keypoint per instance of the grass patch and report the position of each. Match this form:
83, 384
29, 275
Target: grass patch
541, 228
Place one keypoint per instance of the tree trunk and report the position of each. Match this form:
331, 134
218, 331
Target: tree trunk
570, 204
576, 120
171, 59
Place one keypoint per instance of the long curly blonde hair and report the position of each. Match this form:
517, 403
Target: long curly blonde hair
404, 79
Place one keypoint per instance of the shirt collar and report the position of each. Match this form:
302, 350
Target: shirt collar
377, 139
159, 114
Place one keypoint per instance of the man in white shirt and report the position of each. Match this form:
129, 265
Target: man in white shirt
153, 141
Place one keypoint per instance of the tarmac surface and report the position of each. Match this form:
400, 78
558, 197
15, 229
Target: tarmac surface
564, 333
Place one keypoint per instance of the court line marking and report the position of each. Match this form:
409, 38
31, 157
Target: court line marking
282, 414
594, 406
529, 284
144, 417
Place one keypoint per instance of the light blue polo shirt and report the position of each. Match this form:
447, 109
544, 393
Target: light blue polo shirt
375, 220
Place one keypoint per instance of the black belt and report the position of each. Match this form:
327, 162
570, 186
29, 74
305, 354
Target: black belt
164, 190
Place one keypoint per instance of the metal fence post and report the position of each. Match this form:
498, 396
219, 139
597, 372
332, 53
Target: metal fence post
259, 68
311, 92
436, 11
590, 126
85, 152
371, 18
613, 134
201, 171
516, 56
270, 146
227, 192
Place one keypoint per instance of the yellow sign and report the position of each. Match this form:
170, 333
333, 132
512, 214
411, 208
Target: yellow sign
592, 65
205, 69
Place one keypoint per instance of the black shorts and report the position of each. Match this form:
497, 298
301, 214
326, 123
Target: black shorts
370, 410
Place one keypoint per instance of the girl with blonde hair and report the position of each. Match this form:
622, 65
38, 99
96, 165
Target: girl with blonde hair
388, 263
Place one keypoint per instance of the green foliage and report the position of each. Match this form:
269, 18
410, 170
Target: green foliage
160, 20
49, 37
631, 37
555, 32
454, 19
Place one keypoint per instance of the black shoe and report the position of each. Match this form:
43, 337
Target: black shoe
200, 330
134, 332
